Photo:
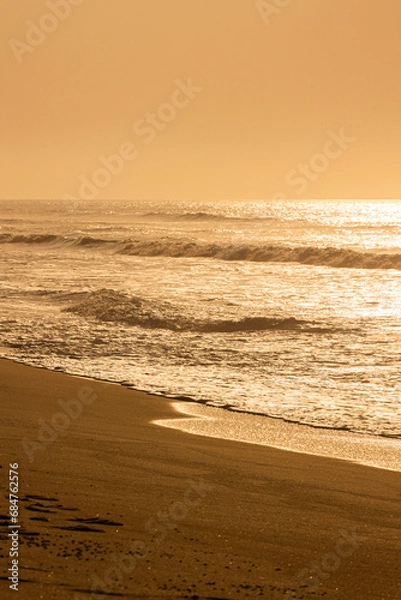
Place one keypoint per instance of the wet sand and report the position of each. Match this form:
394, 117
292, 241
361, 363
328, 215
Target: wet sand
374, 451
110, 502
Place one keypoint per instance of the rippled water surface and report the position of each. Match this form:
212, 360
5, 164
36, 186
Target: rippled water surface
290, 309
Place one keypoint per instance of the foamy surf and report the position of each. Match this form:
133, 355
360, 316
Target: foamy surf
285, 309
111, 306
345, 258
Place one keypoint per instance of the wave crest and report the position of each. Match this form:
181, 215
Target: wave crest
109, 305
33, 238
308, 255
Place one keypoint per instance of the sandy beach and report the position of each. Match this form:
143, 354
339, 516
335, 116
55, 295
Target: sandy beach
200, 300
112, 505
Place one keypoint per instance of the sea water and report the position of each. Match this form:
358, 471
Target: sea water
290, 309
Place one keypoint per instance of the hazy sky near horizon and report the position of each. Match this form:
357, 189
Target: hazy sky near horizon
203, 99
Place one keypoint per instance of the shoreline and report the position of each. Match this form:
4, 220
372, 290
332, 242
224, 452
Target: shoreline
114, 503
199, 418
373, 451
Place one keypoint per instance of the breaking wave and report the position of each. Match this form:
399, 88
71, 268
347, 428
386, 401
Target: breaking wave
109, 305
33, 238
309, 255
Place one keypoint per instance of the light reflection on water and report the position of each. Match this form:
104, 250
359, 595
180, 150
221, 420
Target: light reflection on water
341, 369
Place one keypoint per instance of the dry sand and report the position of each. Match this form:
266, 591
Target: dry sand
115, 504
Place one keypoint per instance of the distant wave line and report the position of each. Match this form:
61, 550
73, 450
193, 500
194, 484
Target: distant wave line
329, 256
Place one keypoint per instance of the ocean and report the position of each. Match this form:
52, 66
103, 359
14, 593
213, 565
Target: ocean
290, 309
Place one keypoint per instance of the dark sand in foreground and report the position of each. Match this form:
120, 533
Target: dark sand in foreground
117, 505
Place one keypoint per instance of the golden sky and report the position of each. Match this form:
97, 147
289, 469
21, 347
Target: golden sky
202, 99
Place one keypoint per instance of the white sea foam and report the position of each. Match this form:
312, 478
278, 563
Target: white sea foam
308, 255
286, 309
